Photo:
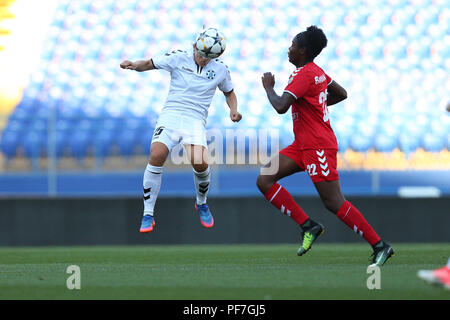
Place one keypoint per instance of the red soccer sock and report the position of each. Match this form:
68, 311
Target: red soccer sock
282, 200
355, 220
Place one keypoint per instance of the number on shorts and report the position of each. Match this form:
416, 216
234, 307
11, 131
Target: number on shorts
311, 169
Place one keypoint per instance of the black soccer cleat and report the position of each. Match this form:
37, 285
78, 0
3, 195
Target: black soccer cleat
381, 253
309, 236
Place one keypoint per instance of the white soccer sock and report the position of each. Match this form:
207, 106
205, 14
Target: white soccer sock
201, 181
152, 184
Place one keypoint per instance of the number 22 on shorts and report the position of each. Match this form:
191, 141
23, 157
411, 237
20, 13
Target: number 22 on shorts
311, 168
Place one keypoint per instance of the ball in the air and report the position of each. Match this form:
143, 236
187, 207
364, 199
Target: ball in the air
210, 43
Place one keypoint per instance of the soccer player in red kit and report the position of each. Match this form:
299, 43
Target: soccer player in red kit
309, 91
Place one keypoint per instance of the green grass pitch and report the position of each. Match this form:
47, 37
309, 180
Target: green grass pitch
223, 272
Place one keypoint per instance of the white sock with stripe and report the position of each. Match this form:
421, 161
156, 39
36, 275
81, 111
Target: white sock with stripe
152, 185
201, 181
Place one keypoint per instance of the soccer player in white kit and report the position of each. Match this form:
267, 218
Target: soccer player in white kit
194, 79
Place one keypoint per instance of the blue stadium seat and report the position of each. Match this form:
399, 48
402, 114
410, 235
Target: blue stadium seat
9, 142
145, 137
127, 142
433, 143
79, 144
34, 144
361, 143
103, 141
20, 115
385, 143
408, 143
61, 141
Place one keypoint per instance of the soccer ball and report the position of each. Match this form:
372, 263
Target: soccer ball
210, 43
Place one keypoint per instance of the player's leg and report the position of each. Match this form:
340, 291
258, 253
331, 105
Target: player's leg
152, 183
440, 276
286, 167
327, 184
280, 198
277, 195
199, 158
332, 198
160, 147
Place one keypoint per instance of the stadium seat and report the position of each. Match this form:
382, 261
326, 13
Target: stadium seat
9, 142
361, 143
385, 143
33, 144
409, 143
127, 142
79, 144
144, 138
433, 143
103, 142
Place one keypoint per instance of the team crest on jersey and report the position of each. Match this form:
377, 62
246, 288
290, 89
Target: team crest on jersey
210, 74
293, 75
291, 78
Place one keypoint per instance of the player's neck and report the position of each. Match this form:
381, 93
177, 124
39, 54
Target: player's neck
199, 65
303, 63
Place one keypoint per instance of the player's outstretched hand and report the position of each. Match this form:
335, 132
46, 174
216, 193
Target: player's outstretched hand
268, 80
235, 116
128, 65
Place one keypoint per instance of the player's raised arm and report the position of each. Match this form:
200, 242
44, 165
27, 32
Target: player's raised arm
280, 104
231, 100
140, 65
336, 93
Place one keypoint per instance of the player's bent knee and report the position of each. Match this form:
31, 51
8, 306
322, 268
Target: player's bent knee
200, 167
157, 158
158, 154
264, 183
331, 204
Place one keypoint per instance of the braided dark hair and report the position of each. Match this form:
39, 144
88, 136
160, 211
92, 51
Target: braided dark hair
313, 39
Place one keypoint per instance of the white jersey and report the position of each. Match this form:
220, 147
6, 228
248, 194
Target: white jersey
191, 87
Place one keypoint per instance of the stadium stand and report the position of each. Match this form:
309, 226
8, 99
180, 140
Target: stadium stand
392, 56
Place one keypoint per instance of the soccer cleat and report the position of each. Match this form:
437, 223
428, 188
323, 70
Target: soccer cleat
206, 217
381, 253
440, 277
147, 224
308, 237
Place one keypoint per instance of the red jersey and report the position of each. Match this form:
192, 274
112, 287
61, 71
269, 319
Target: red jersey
312, 129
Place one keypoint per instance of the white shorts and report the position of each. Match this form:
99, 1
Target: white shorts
182, 130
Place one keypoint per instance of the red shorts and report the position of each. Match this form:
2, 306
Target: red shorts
321, 164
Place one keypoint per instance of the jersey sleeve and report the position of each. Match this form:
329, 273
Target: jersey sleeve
226, 85
167, 61
299, 83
